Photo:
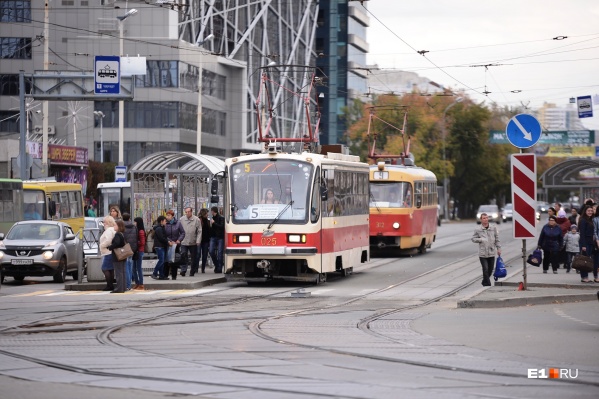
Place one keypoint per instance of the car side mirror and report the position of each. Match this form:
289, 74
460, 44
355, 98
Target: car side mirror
1, 236
69, 237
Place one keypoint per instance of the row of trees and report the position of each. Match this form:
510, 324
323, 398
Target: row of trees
478, 172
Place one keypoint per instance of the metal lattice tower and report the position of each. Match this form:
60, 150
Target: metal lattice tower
259, 32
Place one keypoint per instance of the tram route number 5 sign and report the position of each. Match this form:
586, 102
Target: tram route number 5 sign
524, 189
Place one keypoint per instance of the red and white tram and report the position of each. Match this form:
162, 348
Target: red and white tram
295, 216
404, 201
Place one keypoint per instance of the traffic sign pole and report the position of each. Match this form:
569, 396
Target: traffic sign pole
524, 188
524, 131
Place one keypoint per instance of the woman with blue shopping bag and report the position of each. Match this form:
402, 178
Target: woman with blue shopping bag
487, 237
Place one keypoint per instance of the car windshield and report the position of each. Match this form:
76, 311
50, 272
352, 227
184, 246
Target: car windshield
488, 208
508, 207
34, 231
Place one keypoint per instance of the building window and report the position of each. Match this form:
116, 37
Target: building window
9, 85
214, 122
213, 84
9, 121
15, 48
169, 74
15, 11
149, 114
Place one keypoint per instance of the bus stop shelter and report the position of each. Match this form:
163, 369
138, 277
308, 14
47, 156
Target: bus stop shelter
172, 180
567, 175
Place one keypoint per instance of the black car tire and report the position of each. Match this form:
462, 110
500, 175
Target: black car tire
1, 277
19, 278
61, 273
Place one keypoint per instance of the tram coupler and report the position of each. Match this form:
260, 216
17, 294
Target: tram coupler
263, 264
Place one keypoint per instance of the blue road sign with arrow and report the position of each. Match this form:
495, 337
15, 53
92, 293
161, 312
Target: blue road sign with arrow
523, 130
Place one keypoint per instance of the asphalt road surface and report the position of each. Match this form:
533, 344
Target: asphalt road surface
390, 330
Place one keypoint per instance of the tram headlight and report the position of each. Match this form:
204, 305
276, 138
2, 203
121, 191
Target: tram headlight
396, 225
296, 238
242, 238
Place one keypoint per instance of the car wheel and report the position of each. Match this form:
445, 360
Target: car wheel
19, 278
61, 273
1, 278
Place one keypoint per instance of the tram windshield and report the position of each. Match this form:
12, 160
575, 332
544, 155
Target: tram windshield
261, 189
391, 195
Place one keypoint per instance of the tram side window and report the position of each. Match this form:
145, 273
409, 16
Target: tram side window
329, 178
418, 194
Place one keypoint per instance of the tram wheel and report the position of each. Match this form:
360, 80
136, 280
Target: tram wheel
348, 271
422, 247
19, 278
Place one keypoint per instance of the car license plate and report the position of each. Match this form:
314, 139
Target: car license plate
21, 261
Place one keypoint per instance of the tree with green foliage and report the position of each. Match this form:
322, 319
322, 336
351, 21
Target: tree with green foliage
479, 172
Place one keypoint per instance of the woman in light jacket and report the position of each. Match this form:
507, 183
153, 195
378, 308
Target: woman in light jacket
105, 242
487, 237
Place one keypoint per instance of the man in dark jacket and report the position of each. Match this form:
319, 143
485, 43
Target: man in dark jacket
130, 238
217, 239
175, 233
160, 246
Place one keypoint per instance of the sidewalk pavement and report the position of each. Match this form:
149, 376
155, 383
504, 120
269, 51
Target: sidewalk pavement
181, 283
541, 289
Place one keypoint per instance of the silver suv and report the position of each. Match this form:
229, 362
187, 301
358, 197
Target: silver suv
40, 248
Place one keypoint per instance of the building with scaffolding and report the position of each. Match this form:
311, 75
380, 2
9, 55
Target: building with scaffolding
229, 42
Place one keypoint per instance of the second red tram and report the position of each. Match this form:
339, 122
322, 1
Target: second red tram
403, 207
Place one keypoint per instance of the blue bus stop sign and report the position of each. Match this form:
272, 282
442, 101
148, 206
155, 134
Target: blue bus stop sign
523, 131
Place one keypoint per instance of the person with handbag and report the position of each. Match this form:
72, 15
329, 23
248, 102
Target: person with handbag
119, 265
551, 242
487, 237
131, 237
105, 242
587, 238
175, 235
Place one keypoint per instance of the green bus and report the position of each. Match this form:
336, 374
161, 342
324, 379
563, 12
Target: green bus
11, 203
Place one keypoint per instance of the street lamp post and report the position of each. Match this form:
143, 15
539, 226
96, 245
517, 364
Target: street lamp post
445, 179
101, 115
199, 43
121, 20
